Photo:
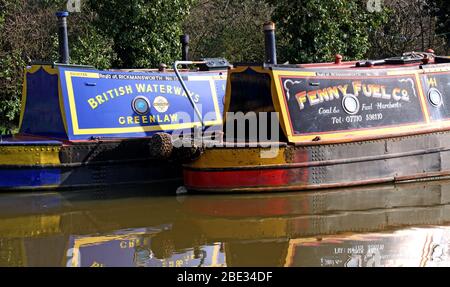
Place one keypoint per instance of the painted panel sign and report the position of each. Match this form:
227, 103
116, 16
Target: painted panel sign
119, 103
437, 92
320, 105
408, 248
138, 248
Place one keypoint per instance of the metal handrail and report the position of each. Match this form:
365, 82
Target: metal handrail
175, 67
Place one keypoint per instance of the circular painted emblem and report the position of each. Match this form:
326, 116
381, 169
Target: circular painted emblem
161, 104
435, 97
350, 103
141, 105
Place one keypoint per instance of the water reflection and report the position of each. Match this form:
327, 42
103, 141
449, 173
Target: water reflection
402, 225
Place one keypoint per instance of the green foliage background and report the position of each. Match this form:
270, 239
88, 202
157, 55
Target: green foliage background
316, 30
144, 33
228, 28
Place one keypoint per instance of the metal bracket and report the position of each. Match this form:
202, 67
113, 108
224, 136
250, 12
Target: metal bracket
175, 67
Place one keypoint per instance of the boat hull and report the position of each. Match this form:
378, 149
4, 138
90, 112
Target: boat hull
243, 169
39, 165
43, 178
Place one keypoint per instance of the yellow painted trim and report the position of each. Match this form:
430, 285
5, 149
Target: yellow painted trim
215, 256
274, 93
294, 243
72, 108
435, 70
50, 70
441, 124
281, 107
369, 132
144, 128
78, 131
29, 155
241, 157
422, 99
278, 107
295, 73
89, 75
24, 98
212, 84
403, 72
290, 255
61, 105
33, 69
226, 107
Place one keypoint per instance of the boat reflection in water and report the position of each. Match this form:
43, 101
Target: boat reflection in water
402, 225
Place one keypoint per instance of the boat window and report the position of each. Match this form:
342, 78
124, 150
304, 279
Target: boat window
251, 92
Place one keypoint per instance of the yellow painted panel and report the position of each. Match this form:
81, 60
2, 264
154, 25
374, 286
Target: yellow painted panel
30, 226
239, 157
29, 155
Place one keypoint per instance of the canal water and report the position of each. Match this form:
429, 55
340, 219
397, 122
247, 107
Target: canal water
387, 225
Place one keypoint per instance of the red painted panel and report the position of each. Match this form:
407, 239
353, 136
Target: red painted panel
237, 178
240, 207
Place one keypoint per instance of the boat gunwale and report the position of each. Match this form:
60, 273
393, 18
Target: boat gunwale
432, 176
321, 163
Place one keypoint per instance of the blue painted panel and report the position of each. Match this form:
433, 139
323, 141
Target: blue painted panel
42, 109
221, 86
36, 177
21, 141
30, 143
139, 172
99, 103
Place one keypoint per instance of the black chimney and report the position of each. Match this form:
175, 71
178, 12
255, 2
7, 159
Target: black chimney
63, 37
185, 47
271, 49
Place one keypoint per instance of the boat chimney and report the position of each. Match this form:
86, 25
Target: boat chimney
184, 47
271, 49
63, 38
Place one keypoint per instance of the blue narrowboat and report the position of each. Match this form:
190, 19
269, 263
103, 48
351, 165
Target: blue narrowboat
80, 126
